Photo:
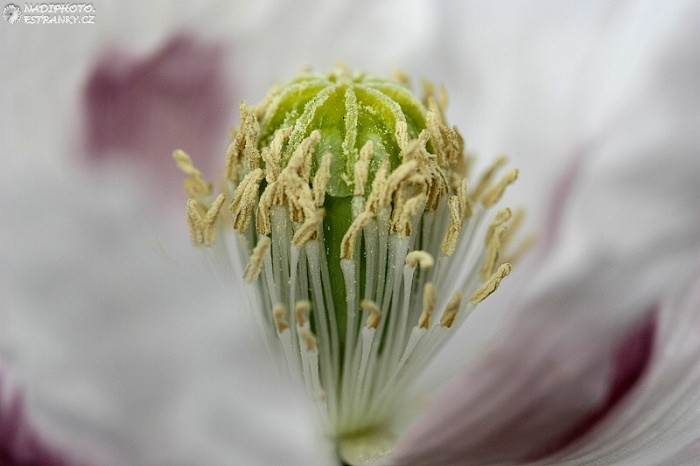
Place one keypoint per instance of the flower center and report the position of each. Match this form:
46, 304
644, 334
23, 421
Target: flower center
360, 235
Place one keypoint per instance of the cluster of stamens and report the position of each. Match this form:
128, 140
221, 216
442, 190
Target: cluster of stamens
358, 263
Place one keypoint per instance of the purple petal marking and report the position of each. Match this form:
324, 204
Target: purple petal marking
137, 110
630, 362
21, 443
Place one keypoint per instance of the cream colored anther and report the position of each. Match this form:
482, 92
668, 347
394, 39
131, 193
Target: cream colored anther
362, 168
201, 222
308, 230
323, 174
429, 302
309, 340
279, 315
373, 318
496, 192
422, 258
450, 312
195, 184
301, 312
486, 178
245, 198
347, 244
491, 285
252, 270
449, 243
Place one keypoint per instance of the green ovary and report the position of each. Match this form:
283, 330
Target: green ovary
348, 111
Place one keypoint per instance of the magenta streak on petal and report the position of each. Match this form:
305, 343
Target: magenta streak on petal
631, 360
20, 441
138, 110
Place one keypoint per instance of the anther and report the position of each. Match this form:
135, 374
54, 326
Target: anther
493, 249
301, 312
201, 222
406, 213
455, 227
300, 162
486, 178
502, 216
463, 196
309, 340
488, 287
195, 184
429, 301
279, 315
494, 194
422, 258
245, 199
307, 231
402, 172
252, 270
401, 133
450, 312
362, 168
321, 179
347, 245
401, 77
370, 306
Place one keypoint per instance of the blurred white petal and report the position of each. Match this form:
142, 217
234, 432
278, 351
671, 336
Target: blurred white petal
627, 236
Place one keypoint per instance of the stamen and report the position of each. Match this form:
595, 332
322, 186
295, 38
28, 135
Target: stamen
501, 217
252, 270
450, 312
347, 245
195, 184
370, 306
250, 131
492, 251
523, 247
362, 168
409, 210
415, 229
267, 200
321, 179
272, 155
485, 290
486, 178
464, 202
309, 340
301, 312
245, 199
450, 242
429, 302
401, 77
378, 189
494, 195
308, 230
423, 258
401, 134
279, 315
398, 176
300, 162
201, 222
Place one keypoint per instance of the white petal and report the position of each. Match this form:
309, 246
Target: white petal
629, 235
124, 341
661, 417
